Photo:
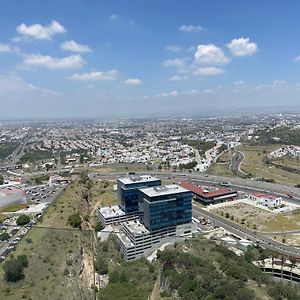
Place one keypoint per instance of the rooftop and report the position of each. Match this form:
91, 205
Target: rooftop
265, 196
111, 211
136, 227
137, 179
9, 191
125, 240
163, 190
203, 193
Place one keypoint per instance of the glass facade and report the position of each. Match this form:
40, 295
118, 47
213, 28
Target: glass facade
128, 193
166, 210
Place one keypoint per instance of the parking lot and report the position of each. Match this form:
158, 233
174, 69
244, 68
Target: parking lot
35, 196
42, 193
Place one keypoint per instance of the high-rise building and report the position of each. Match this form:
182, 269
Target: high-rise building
128, 188
166, 216
165, 206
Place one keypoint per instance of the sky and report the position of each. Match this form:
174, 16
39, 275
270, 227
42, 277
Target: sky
95, 59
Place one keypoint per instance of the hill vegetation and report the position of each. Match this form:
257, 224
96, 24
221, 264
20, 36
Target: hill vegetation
281, 135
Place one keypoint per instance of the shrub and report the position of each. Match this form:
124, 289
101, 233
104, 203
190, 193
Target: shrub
14, 268
74, 220
23, 219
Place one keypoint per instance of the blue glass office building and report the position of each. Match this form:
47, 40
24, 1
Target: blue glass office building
165, 206
128, 188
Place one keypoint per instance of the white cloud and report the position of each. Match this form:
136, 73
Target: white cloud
121, 21
190, 93
176, 62
242, 47
239, 82
40, 32
191, 28
274, 85
113, 17
95, 75
49, 62
210, 55
173, 48
74, 47
297, 58
177, 78
13, 84
208, 71
168, 94
4, 48
133, 81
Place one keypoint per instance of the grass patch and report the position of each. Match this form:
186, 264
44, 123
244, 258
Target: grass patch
13, 207
50, 253
7, 148
128, 280
285, 221
60, 264
35, 155
254, 163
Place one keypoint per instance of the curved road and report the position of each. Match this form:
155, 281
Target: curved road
235, 164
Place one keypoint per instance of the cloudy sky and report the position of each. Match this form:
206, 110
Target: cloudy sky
79, 58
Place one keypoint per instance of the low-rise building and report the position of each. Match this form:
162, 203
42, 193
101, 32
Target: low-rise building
136, 240
207, 197
266, 199
114, 215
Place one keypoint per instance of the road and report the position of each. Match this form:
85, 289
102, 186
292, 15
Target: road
255, 236
240, 184
236, 161
245, 233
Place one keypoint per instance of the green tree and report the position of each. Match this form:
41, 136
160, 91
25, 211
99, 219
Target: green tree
1, 179
74, 220
101, 266
99, 226
245, 294
4, 236
23, 219
81, 159
14, 268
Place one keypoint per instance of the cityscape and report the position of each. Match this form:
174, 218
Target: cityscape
156, 157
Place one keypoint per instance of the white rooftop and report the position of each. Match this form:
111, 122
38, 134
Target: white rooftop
136, 227
125, 240
137, 179
163, 190
111, 211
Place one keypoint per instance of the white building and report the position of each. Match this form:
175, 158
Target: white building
114, 215
266, 199
136, 241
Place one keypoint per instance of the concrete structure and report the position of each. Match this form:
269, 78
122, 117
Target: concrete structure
114, 215
267, 200
127, 188
207, 197
136, 240
11, 194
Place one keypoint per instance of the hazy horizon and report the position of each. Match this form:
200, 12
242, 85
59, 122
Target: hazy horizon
112, 59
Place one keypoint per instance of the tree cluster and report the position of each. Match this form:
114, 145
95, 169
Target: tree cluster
14, 268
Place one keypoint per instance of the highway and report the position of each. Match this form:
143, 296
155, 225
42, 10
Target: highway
254, 236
